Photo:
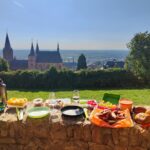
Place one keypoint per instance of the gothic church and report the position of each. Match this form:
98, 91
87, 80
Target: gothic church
40, 60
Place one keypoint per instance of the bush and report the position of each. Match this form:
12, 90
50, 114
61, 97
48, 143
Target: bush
3, 65
66, 79
138, 60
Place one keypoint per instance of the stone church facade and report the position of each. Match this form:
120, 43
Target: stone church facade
37, 60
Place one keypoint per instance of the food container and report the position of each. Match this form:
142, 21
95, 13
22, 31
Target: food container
38, 102
91, 104
17, 102
38, 112
137, 110
107, 105
56, 103
72, 111
125, 104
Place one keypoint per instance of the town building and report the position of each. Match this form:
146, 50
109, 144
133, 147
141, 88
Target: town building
37, 60
114, 64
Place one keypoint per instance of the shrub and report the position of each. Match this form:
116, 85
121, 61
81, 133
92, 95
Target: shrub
138, 60
66, 79
3, 65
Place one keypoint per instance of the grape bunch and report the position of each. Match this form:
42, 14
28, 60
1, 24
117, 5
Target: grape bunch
105, 105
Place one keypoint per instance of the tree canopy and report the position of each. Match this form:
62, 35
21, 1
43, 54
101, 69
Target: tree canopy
138, 60
3, 65
81, 62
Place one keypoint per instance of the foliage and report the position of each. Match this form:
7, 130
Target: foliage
138, 60
66, 79
3, 65
81, 62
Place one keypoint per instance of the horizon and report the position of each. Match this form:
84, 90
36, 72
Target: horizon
28, 49
91, 55
75, 24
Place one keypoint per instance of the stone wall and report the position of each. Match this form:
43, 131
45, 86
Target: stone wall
45, 66
57, 134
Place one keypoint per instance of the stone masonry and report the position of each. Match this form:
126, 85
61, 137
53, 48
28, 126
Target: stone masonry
58, 134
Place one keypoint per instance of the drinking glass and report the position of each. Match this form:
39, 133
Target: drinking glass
52, 96
76, 96
52, 102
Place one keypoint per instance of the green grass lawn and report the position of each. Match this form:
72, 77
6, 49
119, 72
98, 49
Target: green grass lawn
139, 96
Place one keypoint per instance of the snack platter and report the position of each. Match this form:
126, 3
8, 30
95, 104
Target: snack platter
17, 102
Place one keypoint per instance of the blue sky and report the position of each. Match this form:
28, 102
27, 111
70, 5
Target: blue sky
75, 24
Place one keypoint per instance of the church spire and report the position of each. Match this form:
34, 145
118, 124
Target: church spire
37, 48
7, 42
32, 50
7, 50
57, 47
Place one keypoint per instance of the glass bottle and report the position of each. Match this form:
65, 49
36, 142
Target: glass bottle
3, 92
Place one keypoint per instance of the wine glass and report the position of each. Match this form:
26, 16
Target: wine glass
76, 96
52, 102
52, 96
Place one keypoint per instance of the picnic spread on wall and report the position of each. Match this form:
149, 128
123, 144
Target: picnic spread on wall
111, 111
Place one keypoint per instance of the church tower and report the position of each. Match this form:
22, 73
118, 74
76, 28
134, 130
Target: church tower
57, 47
32, 58
37, 48
7, 50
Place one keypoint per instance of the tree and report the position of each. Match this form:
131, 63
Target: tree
3, 65
138, 60
81, 62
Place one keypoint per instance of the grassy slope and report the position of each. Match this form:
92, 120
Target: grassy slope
139, 96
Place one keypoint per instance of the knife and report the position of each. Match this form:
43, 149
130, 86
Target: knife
19, 113
86, 113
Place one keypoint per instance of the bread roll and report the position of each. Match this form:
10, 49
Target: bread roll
148, 112
142, 118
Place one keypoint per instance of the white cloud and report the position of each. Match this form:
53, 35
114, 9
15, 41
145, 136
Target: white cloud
18, 4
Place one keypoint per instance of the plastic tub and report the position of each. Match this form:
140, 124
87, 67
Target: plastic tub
125, 104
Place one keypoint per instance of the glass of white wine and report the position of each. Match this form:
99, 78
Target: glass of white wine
52, 102
52, 96
76, 96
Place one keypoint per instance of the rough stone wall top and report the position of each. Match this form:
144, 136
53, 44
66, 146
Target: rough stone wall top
53, 133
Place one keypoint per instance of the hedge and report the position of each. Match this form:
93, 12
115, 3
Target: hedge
66, 79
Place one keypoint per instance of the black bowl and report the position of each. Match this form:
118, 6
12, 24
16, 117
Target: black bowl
72, 111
